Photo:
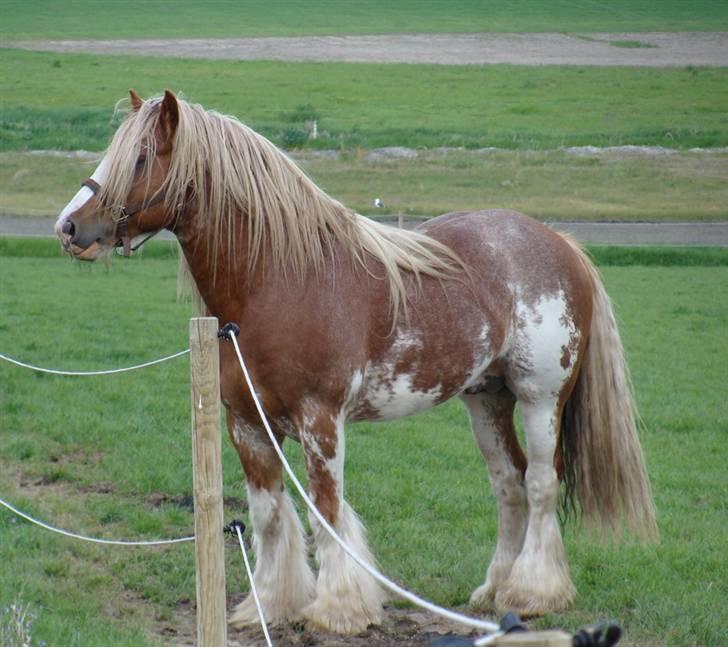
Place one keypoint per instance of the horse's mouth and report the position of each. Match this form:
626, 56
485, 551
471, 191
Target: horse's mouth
90, 253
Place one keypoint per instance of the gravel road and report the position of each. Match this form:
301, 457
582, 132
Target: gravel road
654, 49
596, 233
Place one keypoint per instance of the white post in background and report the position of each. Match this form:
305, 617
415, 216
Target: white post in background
207, 482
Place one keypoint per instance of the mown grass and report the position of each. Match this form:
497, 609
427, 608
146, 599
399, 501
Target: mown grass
111, 456
54, 101
158, 19
553, 185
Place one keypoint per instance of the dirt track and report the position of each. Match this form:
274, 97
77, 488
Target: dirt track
654, 49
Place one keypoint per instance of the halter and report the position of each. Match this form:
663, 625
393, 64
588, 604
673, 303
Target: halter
120, 225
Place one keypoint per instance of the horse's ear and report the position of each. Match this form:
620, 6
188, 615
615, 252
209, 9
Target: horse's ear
169, 115
135, 100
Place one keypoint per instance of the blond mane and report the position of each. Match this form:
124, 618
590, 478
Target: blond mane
237, 175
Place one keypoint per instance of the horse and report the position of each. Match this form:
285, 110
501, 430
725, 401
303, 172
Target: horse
343, 319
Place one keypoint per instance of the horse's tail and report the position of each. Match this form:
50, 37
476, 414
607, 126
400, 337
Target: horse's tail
603, 462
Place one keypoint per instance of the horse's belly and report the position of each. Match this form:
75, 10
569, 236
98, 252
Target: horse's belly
386, 399
386, 394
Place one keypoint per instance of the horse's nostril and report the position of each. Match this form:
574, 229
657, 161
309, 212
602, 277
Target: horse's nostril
68, 228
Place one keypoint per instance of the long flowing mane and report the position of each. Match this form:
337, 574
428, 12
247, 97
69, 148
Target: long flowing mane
237, 176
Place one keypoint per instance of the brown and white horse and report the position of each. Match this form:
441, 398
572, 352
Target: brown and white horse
345, 319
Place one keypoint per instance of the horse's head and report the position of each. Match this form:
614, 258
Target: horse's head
125, 196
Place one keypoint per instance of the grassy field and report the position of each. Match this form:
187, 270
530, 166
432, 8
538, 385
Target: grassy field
186, 18
50, 104
111, 455
545, 184
66, 102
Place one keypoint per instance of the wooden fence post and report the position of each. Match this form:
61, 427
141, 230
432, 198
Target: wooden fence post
207, 482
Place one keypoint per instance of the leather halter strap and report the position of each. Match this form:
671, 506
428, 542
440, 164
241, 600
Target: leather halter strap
92, 184
120, 225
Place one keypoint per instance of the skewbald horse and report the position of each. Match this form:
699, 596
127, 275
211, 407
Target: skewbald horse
344, 319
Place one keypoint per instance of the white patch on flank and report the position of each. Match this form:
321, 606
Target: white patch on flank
83, 195
396, 397
544, 329
391, 394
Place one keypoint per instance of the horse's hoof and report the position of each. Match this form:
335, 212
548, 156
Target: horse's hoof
531, 604
336, 620
246, 615
483, 598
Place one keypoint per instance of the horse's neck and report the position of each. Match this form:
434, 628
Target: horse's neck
220, 275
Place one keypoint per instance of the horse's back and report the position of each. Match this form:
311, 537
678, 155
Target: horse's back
507, 250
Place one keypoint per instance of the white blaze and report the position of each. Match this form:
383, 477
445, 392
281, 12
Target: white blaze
83, 195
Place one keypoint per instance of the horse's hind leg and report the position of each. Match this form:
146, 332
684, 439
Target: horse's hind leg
491, 418
539, 582
348, 599
541, 375
283, 579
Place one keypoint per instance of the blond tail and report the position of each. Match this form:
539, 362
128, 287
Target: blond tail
603, 461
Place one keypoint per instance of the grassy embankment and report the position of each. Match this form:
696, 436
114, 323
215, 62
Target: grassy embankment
549, 185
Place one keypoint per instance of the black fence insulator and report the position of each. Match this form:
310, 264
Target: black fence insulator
604, 634
224, 332
232, 528
511, 623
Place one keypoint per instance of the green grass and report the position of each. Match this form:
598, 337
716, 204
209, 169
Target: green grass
66, 102
631, 44
110, 456
186, 18
603, 255
551, 185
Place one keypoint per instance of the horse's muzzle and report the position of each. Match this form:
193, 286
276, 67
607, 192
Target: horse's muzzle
83, 243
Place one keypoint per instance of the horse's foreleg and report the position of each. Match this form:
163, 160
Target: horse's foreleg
491, 418
283, 578
348, 599
539, 582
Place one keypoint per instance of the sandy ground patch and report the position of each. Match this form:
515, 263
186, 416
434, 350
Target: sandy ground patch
657, 49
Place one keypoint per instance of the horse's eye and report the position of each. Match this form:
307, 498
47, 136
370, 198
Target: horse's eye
141, 161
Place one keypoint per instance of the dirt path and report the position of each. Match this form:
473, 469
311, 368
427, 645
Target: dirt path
655, 49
